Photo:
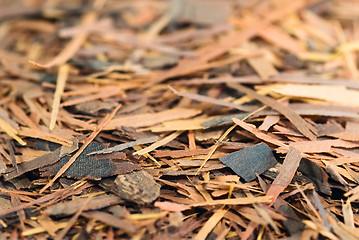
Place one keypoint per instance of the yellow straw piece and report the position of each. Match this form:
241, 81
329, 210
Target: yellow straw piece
37, 230
60, 86
11, 131
146, 216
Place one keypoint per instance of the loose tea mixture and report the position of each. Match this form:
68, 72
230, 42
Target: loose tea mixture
182, 119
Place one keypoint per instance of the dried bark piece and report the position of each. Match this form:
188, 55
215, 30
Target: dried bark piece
104, 92
339, 95
135, 42
293, 223
90, 166
285, 131
299, 108
289, 167
192, 162
21, 182
305, 128
111, 220
11, 147
70, 207
235, 201
46, 223
180, 125
2, 165
176, 37
336, 174
171, 206
132, 134
179, 153
200, 12
5, 116
268, 122
253, 79
345, 135
39, 162
315, 174
211, 223
137, 186
190, 172
260, 134
225, 119
351, 126
93, 107
250, 161
159, 62
207, 135
288, 77
149, 119
278, 37
60, 87
72, 121
263, 67
348, 214
124, 146
34, 133
159, 143
203, 98
20, 113
329, 127
11, 131
318, 146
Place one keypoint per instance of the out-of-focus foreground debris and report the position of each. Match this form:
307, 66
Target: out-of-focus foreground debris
182, 119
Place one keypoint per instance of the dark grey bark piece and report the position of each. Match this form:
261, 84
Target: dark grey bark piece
249, 161
91, 166
39, 162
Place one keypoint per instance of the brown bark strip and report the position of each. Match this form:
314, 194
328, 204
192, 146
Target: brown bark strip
259, 134
305, 128
149, 119
39, 162
70, 207
202, 98
34, 133
235, 201
111, 220
286, 174
21, 114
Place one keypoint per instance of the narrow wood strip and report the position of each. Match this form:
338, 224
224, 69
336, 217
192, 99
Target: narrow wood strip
303, 127
60, 86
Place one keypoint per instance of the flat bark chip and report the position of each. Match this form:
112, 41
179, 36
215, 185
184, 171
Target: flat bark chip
90, 166
249, 161
137, 186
